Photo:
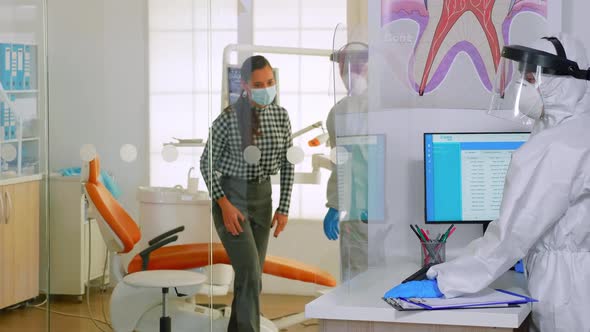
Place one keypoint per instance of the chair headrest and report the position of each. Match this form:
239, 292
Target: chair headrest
94, 170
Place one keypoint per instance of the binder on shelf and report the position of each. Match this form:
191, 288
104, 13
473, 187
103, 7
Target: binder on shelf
27, 67
8, 121
12, 128
20, 66
13, 67
5, 65
2, 115
5, 120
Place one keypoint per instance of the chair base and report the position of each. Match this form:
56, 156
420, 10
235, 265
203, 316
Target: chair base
188, 317
165, 324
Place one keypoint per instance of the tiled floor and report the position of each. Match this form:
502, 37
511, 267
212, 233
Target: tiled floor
29, 319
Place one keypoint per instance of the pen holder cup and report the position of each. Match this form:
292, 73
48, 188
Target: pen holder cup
432, 252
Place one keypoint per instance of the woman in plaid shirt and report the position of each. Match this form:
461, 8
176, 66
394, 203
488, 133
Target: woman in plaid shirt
248, 142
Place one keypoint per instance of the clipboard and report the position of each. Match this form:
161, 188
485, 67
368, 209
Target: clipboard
396, 306
487, 298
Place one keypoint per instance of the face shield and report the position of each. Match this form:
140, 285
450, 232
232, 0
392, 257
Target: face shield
353, 60
522, 73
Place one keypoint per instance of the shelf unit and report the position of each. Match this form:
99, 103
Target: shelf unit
25, 155
22, 149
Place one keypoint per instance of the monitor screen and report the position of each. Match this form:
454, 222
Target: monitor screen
464, 174
361, 172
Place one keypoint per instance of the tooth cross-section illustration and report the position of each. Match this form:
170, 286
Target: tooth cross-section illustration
454, 21
478, 28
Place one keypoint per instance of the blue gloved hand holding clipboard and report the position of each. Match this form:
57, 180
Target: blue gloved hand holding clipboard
416, 288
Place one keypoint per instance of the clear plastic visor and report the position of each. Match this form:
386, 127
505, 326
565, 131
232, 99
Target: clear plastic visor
516, 95
352, 67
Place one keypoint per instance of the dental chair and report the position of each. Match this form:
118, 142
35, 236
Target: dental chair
140, 305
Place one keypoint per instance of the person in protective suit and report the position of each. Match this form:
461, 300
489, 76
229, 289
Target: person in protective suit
545, 210
349, 222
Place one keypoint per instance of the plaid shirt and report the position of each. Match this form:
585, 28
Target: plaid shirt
225, 147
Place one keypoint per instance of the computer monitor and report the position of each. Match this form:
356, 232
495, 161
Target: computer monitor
464, 174
361, 173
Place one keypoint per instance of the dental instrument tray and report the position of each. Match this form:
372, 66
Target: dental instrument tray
188, 140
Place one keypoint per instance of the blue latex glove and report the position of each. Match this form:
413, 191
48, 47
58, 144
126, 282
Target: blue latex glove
418, 288
519, 267
365, 216
331, 224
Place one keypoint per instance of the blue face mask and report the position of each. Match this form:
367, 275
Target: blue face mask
264, 96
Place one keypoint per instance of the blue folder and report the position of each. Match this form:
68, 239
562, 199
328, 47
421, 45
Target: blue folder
14, 67
20, 66
5, 65
27, 67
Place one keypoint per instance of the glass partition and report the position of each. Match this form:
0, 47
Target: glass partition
23, 229
97, 161
230, 165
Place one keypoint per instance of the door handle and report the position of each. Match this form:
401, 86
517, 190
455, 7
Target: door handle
9, 207
2, 219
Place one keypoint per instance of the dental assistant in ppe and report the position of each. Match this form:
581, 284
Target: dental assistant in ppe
248, 143
352, 61
545, 209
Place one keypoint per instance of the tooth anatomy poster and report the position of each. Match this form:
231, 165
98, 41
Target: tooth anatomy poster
444, 53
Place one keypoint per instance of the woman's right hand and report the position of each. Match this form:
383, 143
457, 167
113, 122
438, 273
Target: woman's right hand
232, 217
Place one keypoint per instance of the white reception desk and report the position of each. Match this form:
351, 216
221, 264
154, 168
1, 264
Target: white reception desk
357, 306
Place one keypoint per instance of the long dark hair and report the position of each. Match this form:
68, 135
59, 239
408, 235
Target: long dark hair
248, 119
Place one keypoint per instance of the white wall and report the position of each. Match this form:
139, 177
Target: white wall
575, 20
98, 86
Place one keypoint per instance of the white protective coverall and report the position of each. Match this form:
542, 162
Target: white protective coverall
353, 232
545, 211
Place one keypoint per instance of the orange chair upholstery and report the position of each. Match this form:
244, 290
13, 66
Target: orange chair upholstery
185, 256
112, 212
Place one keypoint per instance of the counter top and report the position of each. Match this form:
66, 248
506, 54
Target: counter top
4, 181
360, 300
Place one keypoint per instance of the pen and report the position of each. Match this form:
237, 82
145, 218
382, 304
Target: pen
415, 232
446, 235
451, 232
421, 232
425, 236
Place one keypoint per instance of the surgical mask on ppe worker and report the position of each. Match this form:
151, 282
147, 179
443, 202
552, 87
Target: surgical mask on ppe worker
530, 102
264, 96
355, 83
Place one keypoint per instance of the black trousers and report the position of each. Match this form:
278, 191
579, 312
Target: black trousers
246, 251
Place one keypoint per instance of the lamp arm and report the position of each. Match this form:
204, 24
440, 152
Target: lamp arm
306, 129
